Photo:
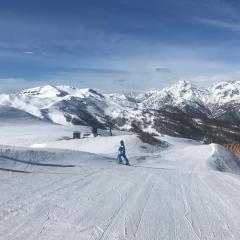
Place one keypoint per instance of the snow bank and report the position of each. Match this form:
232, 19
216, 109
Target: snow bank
22, 159
32, 160
224, 160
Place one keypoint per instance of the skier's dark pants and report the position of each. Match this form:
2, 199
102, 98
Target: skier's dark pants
122, 156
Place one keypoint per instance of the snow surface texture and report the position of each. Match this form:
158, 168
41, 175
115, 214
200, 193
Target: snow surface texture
54, 194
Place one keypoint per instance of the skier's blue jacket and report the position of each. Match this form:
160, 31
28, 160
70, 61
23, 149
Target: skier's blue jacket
122, 154
121, 150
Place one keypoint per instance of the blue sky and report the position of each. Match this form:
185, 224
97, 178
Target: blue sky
112, 45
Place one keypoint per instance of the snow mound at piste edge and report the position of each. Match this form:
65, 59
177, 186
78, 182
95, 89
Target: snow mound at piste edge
224, 160
25, 159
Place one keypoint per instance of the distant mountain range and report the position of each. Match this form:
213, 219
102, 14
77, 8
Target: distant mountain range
210, 115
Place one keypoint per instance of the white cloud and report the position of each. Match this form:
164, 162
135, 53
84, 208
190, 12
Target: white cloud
234, 26
208, 80
29, 52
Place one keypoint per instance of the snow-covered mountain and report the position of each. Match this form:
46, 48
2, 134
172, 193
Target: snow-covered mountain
224, 93
212, 102
167, 110
69, 105
182, 95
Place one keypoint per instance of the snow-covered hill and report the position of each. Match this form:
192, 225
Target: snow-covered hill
65, 104
69, 105
68, 100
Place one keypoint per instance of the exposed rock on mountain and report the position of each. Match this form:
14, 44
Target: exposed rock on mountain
180, 110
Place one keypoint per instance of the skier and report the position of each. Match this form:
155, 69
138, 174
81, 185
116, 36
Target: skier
122, 154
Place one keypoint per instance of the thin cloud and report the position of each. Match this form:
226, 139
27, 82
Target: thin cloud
204, 80
120, 82
163, 70
29, 52
220, 24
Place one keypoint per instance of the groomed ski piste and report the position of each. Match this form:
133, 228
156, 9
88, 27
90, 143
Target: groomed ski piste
56, 188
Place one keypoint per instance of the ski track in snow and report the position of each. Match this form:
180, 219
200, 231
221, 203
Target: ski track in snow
175, 196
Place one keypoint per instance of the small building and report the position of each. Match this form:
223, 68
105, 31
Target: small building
76, 135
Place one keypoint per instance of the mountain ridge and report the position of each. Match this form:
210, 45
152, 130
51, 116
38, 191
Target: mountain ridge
217, 105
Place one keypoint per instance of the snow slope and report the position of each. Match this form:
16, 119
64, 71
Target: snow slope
179, 193
103, 145
24, 133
